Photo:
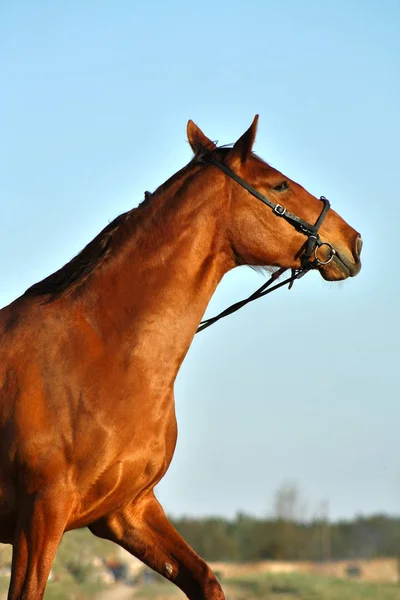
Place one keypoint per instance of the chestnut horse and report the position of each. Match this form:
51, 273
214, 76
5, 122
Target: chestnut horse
89, 356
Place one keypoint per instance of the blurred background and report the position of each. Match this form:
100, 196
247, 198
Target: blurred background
301, 387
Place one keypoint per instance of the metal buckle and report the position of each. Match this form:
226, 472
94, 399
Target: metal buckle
324, 262
279, 210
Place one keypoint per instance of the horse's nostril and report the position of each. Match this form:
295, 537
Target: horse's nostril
359, 245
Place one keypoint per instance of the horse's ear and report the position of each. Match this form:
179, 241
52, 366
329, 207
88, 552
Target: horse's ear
197, 140
242, 148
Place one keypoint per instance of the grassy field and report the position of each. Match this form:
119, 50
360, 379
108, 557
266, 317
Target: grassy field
265, 587
284, 587
62, 590
310, 587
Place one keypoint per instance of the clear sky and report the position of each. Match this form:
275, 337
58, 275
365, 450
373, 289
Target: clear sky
302, 386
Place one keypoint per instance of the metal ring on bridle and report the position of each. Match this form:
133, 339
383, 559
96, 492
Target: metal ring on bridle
332, 254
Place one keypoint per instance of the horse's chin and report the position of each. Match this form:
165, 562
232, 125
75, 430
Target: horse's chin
340, 268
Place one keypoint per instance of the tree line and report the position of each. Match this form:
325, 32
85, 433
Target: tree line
248, 538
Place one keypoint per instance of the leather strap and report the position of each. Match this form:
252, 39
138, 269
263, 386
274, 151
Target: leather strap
311, 246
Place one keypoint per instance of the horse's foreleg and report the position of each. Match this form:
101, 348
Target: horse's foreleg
41, 523
144, 530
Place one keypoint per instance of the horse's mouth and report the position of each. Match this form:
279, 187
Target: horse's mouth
341, 267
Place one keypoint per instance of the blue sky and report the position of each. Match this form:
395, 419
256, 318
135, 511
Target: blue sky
95, 97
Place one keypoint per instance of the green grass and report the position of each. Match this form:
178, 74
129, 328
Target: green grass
309, 587
3, 586
258, 587
157, 591
282, 587
70, 591
62, 590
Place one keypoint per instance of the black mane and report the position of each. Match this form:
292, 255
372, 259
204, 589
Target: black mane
79, 267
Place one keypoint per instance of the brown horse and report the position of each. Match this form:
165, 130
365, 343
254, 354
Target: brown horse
89, 356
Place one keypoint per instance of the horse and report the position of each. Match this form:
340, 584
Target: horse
89, 356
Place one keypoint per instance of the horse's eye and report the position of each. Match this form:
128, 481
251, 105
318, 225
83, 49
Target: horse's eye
281, 187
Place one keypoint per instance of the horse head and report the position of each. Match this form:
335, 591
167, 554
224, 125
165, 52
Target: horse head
279, 237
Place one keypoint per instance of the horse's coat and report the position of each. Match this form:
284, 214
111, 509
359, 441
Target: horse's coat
89, 356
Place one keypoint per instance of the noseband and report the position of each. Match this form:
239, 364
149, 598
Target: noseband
308, 253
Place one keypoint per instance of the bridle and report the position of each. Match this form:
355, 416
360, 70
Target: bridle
308, 254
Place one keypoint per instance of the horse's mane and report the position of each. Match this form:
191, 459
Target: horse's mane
78, 269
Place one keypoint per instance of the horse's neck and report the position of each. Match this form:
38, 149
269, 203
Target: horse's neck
152, 296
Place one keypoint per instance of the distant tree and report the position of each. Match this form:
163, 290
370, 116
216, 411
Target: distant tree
287, 538
287, 505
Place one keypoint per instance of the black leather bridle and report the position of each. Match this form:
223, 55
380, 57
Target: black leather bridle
308, 253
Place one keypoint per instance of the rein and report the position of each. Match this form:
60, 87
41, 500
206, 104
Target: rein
309, 249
